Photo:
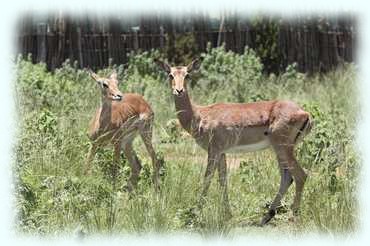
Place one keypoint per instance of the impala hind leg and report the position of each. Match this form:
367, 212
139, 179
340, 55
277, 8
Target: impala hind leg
285, 182
90, 157
146, 134
222, 175
285, 153
299, 177
135, 165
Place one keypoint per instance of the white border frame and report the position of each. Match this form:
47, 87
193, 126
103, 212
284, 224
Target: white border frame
12, 11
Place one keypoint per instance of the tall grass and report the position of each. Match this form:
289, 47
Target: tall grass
53, 195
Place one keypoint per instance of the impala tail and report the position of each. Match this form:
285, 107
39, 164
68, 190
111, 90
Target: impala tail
305, 128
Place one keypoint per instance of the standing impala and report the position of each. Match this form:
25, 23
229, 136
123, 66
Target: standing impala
118, 121
234, 127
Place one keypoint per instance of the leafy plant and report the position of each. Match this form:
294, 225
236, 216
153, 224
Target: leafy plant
235, 73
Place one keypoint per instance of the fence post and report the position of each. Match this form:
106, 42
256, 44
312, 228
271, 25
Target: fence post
41, 42
79, 47
136, 38
161, 37
221, 29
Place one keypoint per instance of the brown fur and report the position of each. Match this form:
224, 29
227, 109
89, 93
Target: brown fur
112, 115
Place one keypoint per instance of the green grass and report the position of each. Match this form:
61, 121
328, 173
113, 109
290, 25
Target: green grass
53, 195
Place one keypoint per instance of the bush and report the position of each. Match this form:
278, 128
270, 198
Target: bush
184, 48
229, 75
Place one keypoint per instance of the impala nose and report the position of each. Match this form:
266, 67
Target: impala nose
118, 97
179, 91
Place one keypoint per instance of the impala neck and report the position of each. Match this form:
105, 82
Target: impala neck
106, 109
184, 110
106, 104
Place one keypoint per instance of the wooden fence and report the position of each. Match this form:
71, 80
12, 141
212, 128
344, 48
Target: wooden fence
315, 44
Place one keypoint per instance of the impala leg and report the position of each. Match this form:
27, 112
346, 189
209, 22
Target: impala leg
116, 159
299, 177
285, 153
146, 135
298, 174
134, 164
213, 160
285, 182
222, 172
89, 159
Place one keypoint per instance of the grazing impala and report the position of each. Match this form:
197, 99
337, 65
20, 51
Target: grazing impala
118, 121
228, 127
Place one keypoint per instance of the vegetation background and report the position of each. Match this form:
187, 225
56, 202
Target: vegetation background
54, 196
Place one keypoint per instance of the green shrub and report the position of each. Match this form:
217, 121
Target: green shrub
184, 48
267, 38
229, 76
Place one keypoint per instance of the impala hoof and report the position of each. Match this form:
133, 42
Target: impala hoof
267, 217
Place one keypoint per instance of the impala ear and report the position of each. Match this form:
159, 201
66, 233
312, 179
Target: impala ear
114, 75
93, 75
96, 77
163, 65
194, 65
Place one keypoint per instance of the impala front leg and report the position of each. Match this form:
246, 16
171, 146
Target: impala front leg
213, 160
222, 175
116, 160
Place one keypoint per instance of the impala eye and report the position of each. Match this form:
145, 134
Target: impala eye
170, 76
105, 85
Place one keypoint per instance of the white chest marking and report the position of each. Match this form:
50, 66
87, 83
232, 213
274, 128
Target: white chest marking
250, 147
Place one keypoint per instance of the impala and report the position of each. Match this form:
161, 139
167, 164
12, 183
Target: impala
242, 127
119, 119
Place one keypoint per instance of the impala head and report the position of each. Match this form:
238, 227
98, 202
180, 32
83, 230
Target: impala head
178, 75
109, 86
